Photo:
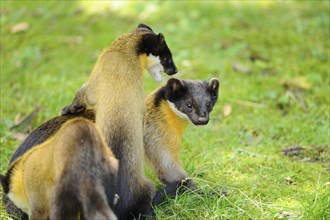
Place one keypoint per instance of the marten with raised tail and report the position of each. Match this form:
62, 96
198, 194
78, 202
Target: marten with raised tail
72, 175
114, 91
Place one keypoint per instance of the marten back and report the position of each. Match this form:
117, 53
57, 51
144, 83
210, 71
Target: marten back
44, 131
75, 166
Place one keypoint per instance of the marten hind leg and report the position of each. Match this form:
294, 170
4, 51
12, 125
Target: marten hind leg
137, 204
144, 202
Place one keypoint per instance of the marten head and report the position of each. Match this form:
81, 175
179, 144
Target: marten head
192, 99
159, 56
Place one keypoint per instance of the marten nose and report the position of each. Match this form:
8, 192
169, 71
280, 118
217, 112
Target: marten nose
203, 120
172, 70
175, 69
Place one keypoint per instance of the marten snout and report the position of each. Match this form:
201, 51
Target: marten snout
171, 70
169, 66
202, 120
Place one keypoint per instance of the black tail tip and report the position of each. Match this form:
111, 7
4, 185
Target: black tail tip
2, 179
4, 183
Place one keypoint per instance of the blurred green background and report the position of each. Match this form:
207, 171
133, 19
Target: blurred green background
267, 144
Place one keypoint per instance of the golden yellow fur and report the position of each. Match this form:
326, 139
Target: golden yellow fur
114, 91
169, 111
162, 140
35, 174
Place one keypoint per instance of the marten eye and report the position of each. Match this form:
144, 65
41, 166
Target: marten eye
208, 104
189, 105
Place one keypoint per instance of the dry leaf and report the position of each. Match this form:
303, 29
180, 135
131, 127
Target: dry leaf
297, 82
292, 151
186, 63
226, 44
20, 136
290, 181
227, 109
256, 56
20, 27
19, 118
25, 122
74, 40
241, 68
286, 215
268, 71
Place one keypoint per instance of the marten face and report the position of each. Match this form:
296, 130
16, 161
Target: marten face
159, 56
192, 99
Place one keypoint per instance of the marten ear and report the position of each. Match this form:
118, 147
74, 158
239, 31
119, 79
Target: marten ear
175, 87
213, 86
161, 38
144, 26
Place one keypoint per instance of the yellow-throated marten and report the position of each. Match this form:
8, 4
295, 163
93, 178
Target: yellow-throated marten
114, 91
169, 111
72, 175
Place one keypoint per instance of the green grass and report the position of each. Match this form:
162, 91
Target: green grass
240, 153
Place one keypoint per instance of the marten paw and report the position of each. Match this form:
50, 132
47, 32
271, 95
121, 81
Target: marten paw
73, 109
172, 190
185, 184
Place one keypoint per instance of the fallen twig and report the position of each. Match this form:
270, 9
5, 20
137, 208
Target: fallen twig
252, 154
249, 103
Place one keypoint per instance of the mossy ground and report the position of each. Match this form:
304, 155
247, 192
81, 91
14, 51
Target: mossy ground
272, 59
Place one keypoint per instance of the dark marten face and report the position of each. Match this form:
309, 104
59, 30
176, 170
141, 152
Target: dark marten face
192, 99
159, 56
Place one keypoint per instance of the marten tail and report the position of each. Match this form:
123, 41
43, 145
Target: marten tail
4, 183
4, 180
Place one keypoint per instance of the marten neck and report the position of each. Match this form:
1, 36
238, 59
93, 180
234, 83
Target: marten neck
173, 119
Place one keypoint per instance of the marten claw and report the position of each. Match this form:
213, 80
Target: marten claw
65, 111
73, 109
